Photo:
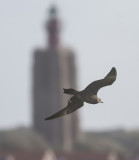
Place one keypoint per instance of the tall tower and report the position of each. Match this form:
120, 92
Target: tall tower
54, 69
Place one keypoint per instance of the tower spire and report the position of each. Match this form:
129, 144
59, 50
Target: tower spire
53, 27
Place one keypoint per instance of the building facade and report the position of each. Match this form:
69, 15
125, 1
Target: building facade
54, 69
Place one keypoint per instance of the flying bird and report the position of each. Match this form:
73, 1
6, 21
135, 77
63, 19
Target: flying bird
89, 95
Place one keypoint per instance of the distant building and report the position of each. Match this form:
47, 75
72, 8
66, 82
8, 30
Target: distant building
50, 155
112, 156
7, 157
54, 69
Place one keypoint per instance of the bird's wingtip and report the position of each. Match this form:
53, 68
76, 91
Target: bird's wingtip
63, 90
113, 69
48, 118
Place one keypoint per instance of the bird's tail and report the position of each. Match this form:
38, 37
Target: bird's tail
70, 91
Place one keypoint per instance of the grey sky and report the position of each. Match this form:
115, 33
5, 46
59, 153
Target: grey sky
102, 33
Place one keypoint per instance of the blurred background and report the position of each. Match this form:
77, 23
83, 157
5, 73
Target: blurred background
48, 45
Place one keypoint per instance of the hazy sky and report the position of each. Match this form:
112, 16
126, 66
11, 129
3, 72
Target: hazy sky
103, 33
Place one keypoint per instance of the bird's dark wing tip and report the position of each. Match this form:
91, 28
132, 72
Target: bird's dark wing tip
47, 118
113, 68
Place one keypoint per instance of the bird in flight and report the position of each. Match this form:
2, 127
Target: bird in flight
89, 95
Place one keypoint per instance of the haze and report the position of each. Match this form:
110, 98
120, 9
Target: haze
103, 34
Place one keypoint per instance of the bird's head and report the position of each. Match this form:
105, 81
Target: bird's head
99, 100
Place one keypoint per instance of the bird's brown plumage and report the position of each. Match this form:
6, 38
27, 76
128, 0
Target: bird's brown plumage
93, 88
74, 104
89, 95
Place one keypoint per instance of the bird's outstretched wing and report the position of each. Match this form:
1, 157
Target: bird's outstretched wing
74, 104
96, 85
